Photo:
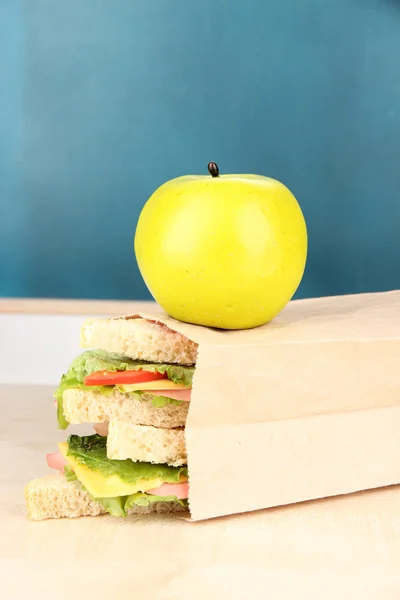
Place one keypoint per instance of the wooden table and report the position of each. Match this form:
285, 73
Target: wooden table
337, 548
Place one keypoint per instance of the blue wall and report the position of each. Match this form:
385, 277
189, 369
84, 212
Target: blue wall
101, 101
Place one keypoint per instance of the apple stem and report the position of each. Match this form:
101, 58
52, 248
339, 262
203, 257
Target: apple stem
213, 169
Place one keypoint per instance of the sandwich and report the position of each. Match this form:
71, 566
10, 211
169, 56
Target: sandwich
133, 383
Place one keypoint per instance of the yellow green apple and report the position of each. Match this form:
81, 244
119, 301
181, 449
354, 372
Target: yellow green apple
225, 251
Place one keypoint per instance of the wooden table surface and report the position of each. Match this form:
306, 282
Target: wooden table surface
338, 548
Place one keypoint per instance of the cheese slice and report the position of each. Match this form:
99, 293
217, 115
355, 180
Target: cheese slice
100, 486
159, 384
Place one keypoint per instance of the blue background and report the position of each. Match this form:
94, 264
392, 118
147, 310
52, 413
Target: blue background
101, 101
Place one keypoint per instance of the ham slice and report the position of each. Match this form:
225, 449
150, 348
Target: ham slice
180, 490
101, 428
175, 394
56, 461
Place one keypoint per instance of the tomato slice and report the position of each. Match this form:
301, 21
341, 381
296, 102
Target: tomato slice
121, 377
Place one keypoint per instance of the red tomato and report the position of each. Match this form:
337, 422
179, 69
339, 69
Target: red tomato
121, 377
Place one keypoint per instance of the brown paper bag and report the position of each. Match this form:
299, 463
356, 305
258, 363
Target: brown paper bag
305, 407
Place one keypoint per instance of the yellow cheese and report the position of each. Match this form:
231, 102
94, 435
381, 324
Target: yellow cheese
159, 384
100, 486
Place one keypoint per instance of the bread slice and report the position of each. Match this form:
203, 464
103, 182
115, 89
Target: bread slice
139, 338
53, 497
81, 406
146, 444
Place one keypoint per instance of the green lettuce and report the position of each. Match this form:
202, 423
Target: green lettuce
119, 506
69, 473
91, 451
92, 361
115, 506
143, 499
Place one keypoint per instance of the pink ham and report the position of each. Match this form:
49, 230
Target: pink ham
101, 428
180, 490
174, 394
56, 461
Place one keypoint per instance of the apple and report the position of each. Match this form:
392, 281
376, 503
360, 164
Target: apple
225, 251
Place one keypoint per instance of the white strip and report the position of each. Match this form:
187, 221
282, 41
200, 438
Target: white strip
37, 349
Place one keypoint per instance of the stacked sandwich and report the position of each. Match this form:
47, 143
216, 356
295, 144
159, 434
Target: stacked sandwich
135, 388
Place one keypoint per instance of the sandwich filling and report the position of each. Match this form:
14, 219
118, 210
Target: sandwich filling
118, 484
96, 370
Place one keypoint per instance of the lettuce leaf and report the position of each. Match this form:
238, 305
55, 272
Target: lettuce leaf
119, 506
97, 360
62, 421
91, 451
69, 473
115, 506
143, 499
